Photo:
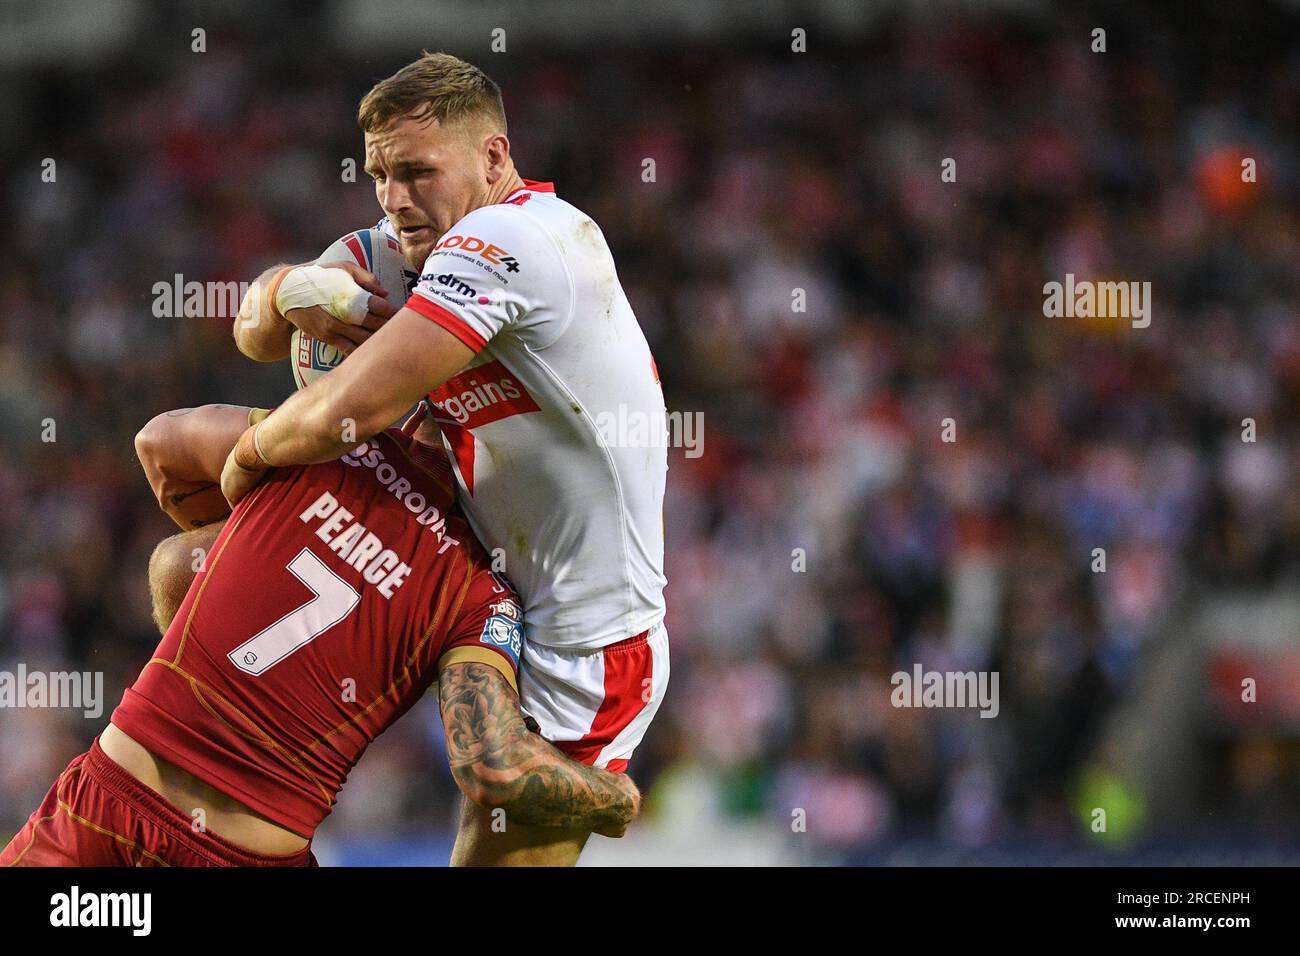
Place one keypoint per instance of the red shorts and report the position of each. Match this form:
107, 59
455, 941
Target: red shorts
97, 814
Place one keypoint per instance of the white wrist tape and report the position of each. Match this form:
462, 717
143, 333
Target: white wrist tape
331, 289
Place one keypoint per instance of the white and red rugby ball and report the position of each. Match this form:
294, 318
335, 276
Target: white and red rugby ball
379, 254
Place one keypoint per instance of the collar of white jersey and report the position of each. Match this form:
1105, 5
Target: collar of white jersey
531, 186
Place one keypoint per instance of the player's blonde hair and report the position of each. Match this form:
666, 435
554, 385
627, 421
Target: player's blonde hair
436, 86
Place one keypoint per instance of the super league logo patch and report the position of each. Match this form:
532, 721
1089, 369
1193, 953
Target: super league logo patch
505, 629
318, 355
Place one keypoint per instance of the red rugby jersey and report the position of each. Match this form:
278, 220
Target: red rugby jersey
326, 607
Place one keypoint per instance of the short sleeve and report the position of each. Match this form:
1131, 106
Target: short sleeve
495, 269
490, 631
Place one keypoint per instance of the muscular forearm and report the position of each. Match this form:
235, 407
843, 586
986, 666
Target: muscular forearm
498, 762
538, 786
379, 383
261, 332
313, 425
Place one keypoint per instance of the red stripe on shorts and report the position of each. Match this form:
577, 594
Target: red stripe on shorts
629, 667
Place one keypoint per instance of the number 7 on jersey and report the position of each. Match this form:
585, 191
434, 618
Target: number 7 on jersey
333, 600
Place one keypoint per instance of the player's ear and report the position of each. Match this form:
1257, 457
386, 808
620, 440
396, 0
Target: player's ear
497, 151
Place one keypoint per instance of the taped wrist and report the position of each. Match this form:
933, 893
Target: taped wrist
331, 289
247, 456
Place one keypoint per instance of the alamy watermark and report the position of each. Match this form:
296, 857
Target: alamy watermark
1098, 300
75, 689
179, 299
633, 428
922, 688
74, 908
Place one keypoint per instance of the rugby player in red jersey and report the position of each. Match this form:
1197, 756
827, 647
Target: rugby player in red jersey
334, 596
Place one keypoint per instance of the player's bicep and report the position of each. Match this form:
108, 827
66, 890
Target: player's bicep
192, 443
478, 688
182, 453
480, 711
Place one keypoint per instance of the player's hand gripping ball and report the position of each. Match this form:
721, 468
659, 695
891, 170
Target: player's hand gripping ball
332, 314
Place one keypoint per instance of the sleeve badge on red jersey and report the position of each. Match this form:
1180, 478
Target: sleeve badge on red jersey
504, 629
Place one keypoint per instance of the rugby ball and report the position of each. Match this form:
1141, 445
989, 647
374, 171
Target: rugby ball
373, 251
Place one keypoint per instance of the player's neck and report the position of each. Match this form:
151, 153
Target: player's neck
503, 187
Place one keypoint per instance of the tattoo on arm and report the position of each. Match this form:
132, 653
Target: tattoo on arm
498, 762
178, 498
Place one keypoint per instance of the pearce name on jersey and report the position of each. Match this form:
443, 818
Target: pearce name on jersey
530, 285
378, 565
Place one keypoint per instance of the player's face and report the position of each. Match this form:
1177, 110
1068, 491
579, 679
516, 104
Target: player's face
427, 177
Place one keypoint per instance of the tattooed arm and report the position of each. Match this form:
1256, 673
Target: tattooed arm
183, 452
498, 762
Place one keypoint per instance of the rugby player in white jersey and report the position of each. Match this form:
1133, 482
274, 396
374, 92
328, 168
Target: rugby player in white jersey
521, 338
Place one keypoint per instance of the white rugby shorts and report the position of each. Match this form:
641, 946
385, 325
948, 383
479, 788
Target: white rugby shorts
595, 704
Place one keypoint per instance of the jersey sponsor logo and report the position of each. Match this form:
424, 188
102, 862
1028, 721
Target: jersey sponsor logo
504, 628
451, 282
368, 455
455, 287
487, 251
482, 394
478, 396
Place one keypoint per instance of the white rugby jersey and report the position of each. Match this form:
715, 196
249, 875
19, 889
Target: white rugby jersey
557, 429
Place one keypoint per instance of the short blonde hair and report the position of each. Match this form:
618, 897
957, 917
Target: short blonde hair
436, 86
